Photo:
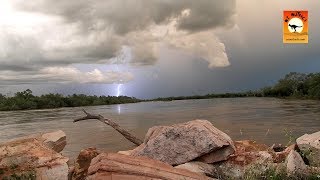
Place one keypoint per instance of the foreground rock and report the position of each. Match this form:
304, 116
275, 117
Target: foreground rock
30, 158
180, 143
199, 167
119, 166
248, 155
280, 157
56, 140
295, 164
309, 144
83, 162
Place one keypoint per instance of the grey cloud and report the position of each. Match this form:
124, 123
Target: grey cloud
20, 68
95, 32
114, 21
125, 16
211, 14
64, 75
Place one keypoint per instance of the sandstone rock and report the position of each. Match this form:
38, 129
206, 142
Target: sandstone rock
83, 162
309, 144
199, 167
133, 151
249, 146
248, 154
30, 156
280, 157
295, 164
55, 140
180, 143
236, 166
55, 172
221, 154
119, 166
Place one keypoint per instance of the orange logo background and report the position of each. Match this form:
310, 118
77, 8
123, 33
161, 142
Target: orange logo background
295, 37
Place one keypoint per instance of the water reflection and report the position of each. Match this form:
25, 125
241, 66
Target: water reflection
119, 108
261, 119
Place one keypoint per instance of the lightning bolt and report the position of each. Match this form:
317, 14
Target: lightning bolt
119, 90
120, 60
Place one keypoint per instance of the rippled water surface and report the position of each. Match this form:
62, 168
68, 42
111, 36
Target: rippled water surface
261, 119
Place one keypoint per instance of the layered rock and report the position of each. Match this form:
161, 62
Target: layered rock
309, 144
30, 157
83, 162
180, 143
55, 140
200, 167
119, 166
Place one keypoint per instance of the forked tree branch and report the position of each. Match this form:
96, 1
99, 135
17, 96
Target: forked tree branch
114, 125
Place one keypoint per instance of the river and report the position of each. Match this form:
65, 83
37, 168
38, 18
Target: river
266, 120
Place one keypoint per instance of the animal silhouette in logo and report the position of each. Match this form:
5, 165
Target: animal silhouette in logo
294, 27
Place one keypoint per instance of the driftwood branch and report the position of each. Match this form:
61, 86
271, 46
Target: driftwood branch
114, 125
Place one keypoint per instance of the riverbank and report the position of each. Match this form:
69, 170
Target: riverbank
59, 101
191, 150
293, 85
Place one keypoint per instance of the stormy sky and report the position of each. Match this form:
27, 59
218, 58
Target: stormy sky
152, 47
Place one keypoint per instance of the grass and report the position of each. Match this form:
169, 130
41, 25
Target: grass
273, 173
30, 175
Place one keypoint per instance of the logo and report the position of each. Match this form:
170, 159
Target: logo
295, 26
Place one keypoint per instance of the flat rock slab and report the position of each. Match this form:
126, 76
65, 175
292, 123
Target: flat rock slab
119, 166
181, 143
55, 140
199, 167
30, 157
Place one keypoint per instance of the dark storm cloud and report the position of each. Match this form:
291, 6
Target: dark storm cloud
125, 16
256, 53
41, 34
116, 22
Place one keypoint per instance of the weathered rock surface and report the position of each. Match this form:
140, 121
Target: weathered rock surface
83, 162
119, 166
28, 157
221, 154
280, 157
248, 154
181, 143
309, 144
133, 151
56, 140
295, 163
199, 167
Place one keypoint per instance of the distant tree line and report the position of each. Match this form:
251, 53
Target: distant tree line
26, 100
296, 85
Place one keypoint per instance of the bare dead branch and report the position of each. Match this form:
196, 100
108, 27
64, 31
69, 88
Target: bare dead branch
114, 125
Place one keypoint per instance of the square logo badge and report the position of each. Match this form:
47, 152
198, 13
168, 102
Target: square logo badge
295, 26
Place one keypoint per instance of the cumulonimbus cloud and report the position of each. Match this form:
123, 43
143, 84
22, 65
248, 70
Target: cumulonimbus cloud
61, 33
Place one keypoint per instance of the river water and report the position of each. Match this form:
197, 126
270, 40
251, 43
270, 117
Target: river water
266, 120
